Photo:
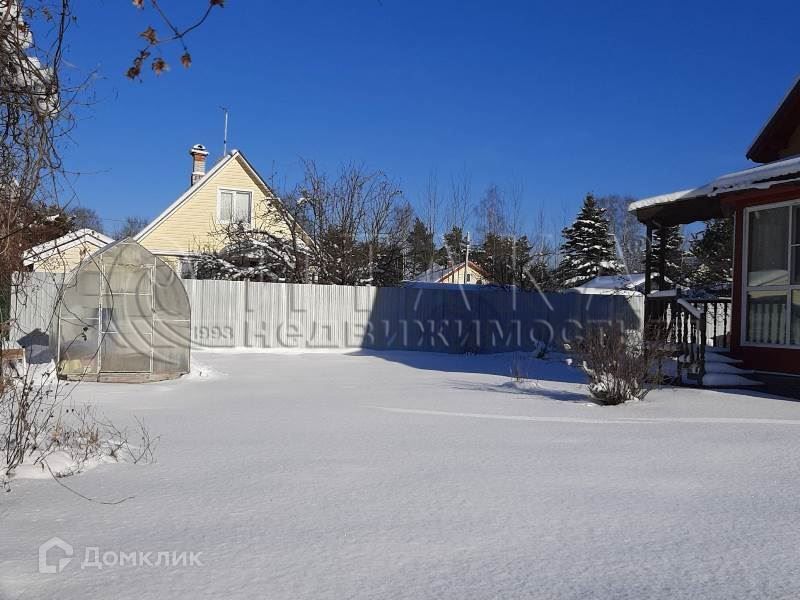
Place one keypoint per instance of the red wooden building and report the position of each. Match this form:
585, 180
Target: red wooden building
764, 327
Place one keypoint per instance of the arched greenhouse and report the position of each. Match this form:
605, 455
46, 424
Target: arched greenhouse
124, 316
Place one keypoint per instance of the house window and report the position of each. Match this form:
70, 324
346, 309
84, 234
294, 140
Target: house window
234, 206
773, 276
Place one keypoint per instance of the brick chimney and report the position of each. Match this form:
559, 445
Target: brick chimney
198, 153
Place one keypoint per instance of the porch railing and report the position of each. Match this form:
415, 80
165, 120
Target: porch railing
688, 326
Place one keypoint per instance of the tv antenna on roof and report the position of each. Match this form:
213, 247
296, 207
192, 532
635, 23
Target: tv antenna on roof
225, 132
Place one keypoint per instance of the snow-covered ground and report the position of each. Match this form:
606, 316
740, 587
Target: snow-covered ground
413, 475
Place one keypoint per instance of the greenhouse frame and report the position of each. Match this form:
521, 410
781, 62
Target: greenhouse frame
124, 316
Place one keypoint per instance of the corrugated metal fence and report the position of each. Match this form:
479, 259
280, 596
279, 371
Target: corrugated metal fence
237, 314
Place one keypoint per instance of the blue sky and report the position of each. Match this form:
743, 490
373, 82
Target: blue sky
633, 98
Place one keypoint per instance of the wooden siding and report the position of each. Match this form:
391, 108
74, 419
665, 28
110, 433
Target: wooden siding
65, 260
190, 227
457, 276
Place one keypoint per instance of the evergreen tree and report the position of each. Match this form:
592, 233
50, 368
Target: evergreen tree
384, 263
673, 243
454, 249
506, 260
541, 275
713, 252
588, 249
420, 249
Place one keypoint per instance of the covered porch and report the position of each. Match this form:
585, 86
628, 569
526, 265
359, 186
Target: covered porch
754, 330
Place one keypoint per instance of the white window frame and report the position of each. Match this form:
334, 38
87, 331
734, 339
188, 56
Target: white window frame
788, 288
233, 191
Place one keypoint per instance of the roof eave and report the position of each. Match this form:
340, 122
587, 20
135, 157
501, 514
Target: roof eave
760, 150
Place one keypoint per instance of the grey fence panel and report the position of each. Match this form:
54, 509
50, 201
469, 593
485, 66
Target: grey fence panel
34, 302
218, 313
237, 314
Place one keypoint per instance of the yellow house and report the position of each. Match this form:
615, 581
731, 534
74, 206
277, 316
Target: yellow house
231, 192
465, 272
63, 254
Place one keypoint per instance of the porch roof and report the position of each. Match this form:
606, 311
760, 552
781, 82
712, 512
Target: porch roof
700, 204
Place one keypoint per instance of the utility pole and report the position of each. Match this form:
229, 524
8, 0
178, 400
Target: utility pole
225, 132
466, 259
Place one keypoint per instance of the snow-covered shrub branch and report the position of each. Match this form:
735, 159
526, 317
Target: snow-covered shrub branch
245, 253
39, 429
621, 366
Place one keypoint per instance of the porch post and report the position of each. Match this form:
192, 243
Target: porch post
662, 257
648, 260
648, 272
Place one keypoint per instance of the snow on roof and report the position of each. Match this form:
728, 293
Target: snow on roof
63, 243
609, 284
437, 272
761, 177
433, 285
432, 275
660, 199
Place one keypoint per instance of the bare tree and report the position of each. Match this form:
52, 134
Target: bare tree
175, 35
357, 223
35, 115
544, 252
491, 213
39, 97
626, 229
460, 201
431, 204
515, 196
82, 217
350, 229
130, 226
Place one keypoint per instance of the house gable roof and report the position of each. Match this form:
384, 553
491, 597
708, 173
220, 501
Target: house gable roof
780, 137
204, 181
65, 242
436, 273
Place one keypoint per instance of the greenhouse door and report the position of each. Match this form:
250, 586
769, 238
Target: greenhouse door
127, 321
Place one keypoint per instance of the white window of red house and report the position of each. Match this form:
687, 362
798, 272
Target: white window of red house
772, 275
234, 206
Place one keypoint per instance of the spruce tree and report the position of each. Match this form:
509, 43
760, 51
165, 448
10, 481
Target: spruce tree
506, 260
713, 252
453, 250
420, 248
674, 261
588, 248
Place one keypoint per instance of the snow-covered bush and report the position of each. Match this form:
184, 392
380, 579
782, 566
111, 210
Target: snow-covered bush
86, 438
620, 366
40, 429
61, 441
